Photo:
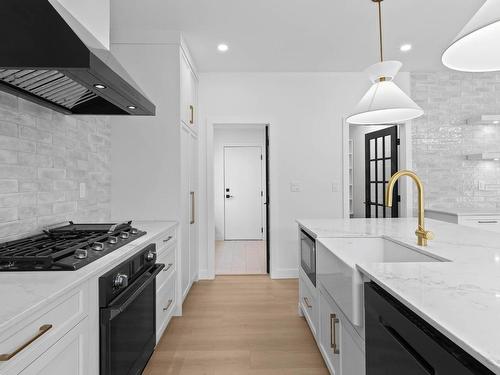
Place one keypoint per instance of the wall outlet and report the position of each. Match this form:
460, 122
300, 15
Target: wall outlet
83, 190
295, 186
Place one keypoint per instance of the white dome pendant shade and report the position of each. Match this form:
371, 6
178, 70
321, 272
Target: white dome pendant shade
385, 102
477, 46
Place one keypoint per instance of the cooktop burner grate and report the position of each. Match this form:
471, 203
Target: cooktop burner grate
56, 248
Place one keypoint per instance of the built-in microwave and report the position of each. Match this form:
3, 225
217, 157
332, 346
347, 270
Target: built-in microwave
308, 255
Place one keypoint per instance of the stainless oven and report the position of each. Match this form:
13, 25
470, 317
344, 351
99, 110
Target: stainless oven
308, 255
127, 299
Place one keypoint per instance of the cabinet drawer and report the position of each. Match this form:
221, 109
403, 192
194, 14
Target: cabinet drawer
67, 356
166, 240
168, 259
43, 330
165, 305
308, 302
491, 223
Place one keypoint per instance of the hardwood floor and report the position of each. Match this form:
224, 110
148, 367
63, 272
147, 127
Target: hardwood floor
238, 325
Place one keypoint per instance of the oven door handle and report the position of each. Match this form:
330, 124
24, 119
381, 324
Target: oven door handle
113, 311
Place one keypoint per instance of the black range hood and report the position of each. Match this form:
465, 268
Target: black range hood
42, 59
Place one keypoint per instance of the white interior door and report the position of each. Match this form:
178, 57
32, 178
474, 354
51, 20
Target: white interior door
243, 193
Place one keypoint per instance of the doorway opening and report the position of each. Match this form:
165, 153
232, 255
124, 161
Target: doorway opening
241, 199
373, 153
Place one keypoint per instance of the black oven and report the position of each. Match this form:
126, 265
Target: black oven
127, 299
308, 255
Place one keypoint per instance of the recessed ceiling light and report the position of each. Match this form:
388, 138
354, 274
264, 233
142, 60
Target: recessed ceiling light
496, 122
131, 107
99, 86
405, 47
222, 47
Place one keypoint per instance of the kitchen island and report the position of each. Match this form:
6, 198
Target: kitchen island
454, 287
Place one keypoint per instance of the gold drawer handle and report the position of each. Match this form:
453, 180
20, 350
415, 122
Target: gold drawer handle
168, 267
333, 333
167, 239
168, 305
308, 305
43, 329
191, 109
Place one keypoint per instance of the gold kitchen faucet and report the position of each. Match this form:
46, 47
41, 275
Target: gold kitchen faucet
422, 234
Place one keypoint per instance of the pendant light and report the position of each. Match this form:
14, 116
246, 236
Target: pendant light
475, 49
385, 102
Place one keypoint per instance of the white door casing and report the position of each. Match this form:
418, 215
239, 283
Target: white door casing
243, 191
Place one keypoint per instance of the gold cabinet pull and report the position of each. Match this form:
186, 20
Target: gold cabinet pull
191, 120
43, 329
168, 305
168, 267
167, 239
308, 305
193, 212
333, 333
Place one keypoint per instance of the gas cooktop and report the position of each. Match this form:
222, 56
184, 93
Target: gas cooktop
66, 248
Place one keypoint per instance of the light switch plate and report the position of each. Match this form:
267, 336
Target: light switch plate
295, 186
335, 187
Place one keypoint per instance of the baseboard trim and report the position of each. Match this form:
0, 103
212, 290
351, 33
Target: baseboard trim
205, 275
285, 273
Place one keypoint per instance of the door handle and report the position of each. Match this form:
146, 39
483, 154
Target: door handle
193, 211
229, 196
333, 333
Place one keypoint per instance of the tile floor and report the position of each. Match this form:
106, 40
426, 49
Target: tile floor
240, 257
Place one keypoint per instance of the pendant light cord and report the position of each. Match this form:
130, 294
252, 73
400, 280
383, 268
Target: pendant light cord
380, 29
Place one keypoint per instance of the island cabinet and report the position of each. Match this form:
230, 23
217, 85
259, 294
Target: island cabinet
400, 342
340, 342
340, 345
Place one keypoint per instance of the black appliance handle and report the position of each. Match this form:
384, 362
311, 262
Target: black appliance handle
139, 286
426, 366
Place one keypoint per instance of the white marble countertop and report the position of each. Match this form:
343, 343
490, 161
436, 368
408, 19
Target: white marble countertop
460, 298
23, 293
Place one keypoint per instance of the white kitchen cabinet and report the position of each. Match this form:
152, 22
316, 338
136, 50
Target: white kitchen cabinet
342, 348
53, 340
189, 94
308, 302
189, 222
481, 219
66, 356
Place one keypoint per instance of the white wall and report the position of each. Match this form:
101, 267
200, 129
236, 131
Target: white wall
305, 111
232, 135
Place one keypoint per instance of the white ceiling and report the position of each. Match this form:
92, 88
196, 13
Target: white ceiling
302, 35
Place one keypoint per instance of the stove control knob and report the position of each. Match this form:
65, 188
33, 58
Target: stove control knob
134, 231
81, 254
98, 246
113, 239
150, 256
120, 280
124, 235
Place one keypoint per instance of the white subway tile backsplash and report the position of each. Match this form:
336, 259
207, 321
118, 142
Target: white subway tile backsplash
44, 157
442, 138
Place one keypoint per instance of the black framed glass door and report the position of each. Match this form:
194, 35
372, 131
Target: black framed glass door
381, 162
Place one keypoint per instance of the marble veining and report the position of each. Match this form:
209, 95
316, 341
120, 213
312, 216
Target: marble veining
25, 293
460, 298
